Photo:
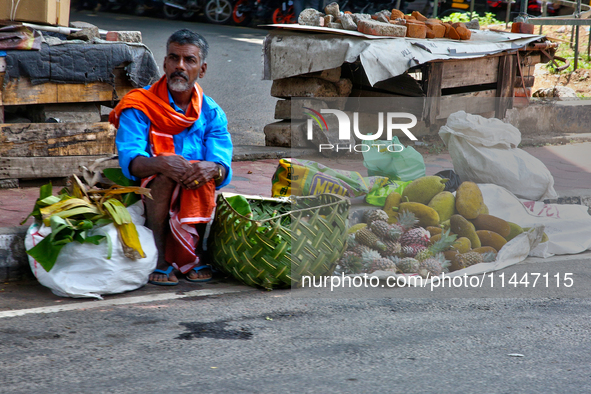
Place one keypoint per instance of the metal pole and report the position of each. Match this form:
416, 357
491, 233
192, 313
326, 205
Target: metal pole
544, 12
508, 16
578, 15
471, 9
435, 6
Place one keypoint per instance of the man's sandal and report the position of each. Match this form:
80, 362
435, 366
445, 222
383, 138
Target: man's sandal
167, 273
197, 269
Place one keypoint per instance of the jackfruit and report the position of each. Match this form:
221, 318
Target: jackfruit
392, 201
492, 223
490, 238
455, 261
461, 226
485, 249
423, 189
469, 200
515, 231
445, 205
484, 210
434, 230
426, 216
461, 245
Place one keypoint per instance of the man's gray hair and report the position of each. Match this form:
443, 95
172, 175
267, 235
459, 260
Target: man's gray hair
188, 37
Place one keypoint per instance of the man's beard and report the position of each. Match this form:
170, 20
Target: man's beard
180, 84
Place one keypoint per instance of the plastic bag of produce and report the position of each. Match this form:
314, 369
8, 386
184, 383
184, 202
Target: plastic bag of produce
306, 178
83, 270
389, 160
485, 151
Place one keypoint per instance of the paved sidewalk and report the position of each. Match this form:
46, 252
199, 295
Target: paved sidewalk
569, 164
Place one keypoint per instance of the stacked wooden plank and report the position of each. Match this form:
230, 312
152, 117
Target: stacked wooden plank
49, 150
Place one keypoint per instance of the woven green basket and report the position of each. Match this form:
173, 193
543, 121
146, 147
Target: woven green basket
269, 254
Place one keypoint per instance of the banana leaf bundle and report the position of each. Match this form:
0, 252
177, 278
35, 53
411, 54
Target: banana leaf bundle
77, 211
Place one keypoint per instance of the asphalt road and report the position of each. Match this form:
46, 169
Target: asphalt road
234, 73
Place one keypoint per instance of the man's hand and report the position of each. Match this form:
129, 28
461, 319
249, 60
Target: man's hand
174, 167
202, 172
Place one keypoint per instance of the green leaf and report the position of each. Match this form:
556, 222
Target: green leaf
95, 239
116, 176
45, 253
45, 191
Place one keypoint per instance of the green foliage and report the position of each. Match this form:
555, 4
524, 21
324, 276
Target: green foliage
584, 63
116, 176
487, 19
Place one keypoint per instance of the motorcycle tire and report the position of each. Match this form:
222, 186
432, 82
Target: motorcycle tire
241, 18
175, 13
140, 10
279, 17
218, 15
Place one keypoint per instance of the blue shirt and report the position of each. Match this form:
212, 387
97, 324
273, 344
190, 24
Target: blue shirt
207, 139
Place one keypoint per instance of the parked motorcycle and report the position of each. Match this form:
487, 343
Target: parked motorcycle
274, 11
366, 7
215, 11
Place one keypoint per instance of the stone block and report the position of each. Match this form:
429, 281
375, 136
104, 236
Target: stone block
86, 34
332, 74
344, 87
336, 25
66, 113
381, 29
332, 9
360, 17
303, 87
347, 22
328, 19
81, 25
310, 17
13, 257
286, 133
124, 36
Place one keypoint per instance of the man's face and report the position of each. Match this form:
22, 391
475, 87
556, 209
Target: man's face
182, 66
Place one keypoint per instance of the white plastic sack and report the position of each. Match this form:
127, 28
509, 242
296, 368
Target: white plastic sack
83, 270
485, 151
568, 226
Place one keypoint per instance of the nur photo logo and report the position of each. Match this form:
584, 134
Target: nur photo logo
389, 121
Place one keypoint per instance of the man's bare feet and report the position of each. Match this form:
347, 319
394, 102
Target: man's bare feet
163, 276
200, 274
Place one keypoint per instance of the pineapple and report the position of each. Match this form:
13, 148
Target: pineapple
438, 247
366, 237
412, 250
376, 214
380, 228
415, 236
407, 265
351, 263
359, 249
433, 266
406, 221
392, 249
375, 262
471, 258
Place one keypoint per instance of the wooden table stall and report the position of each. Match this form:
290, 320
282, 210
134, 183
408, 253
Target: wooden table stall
54, 150
437, 72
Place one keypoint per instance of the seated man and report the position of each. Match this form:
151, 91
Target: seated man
176, 140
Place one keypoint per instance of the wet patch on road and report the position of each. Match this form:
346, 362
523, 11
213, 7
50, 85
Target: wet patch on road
215, 330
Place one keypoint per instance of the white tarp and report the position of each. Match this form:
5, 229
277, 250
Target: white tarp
289, 51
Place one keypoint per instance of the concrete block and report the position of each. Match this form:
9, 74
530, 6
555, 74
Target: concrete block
381, 29
360, 17
311, 17
344, 87
81, 25
303, 87
13, 257
328, 19
331, 75
66, 113
86, 34
295, 109
124, 36
336, 25
332, 9
348, 22
286, 133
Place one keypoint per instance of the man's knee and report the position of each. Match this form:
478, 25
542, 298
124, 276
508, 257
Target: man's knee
162, 183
